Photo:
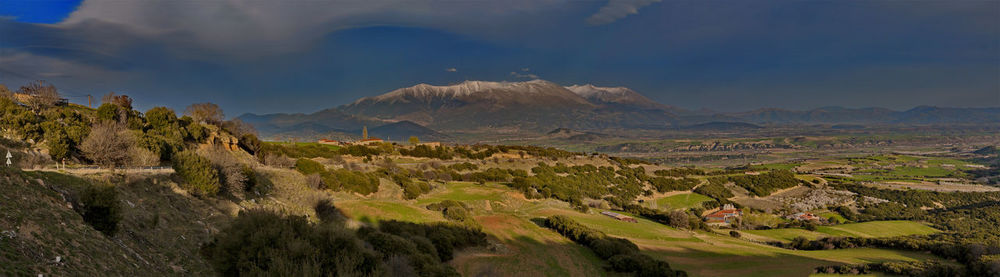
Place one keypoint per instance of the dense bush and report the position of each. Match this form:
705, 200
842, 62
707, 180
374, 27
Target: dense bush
766, 183
307, 166
921, 198
424, 151
411, 189
200, 177
670, 184
572, 184
463, 166
260, 243
100, 209
452, 210
622, 254
298, 150
250, 143
714, 190
364, 151
679, 172
361, 182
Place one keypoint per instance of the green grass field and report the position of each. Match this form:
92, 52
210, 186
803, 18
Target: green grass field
682, 201
464, 191
865, 229
829, 215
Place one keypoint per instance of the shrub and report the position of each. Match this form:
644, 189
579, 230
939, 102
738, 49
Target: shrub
360, 182
307, 166
735, 234
250, 143
679, 220
108, 144
199, 176
260, 243
327, 212
100, 208
161, 117
767, 183
314, 181
58, 143
205, 112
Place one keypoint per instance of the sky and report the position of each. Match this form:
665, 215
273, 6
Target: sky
301, 56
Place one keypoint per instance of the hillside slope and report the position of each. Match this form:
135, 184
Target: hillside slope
160, 232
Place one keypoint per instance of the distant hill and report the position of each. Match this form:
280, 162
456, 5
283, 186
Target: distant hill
619, 97
988, 150
403, 130
539, 106
316, 125
721, 126
840, 115
832, 115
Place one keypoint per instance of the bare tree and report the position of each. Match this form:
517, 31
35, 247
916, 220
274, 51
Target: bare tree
205, 112
109, 144
239, 128
120, 100
40, 94
315, 181
5, 92
679, 219
276, 160
235, 174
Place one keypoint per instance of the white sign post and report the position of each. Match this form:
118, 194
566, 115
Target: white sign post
8, 158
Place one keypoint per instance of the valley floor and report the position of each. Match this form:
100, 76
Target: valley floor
163, 228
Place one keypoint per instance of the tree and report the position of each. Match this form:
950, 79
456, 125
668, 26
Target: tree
119, 100
108, 144
58, 143
5, 92
161, 117
238, 128
250, 143
200, 177
109, 112
205, 112
414, 140
41, 94
679, 219
100, 208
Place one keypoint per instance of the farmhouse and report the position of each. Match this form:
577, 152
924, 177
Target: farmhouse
620, 217
804, 217
726, 215
329, 142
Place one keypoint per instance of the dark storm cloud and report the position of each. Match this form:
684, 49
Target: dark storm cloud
254, 55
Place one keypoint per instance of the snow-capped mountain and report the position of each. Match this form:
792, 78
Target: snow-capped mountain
532, 104
615, 96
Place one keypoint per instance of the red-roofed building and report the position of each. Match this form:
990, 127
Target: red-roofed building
726, 215
328, 142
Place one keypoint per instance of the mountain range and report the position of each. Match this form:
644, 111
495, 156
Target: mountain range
540, 106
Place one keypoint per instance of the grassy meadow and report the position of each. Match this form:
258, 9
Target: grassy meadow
532, 250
